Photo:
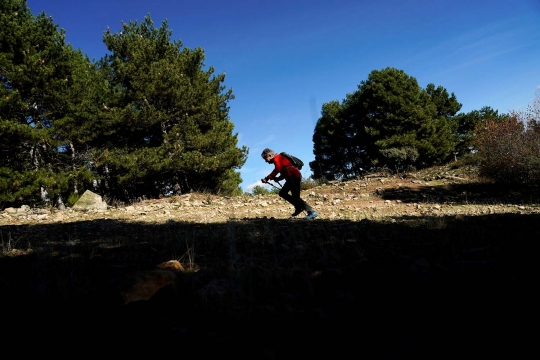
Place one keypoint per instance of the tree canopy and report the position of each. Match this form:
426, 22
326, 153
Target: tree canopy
37, 70
146, 120
165, 124
389, 122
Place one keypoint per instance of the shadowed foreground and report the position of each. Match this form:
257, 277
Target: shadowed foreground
273, 289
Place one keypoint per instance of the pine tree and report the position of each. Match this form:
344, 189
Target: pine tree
37, 71
337, 154
389, 122
165, 127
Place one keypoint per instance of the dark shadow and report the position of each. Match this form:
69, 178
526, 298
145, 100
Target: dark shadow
476, 193
431, 287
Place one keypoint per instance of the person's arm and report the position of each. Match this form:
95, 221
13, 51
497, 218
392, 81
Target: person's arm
278, 164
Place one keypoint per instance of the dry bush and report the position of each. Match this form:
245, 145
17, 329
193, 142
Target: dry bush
311, 183
509, 150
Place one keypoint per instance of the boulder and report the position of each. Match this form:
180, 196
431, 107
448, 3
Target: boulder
90, 201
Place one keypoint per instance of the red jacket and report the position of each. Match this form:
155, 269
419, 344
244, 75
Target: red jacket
284, 167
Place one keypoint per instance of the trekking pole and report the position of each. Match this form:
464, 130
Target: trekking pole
275, 185
267, 182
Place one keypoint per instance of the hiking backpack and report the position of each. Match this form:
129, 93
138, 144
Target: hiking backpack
294, 160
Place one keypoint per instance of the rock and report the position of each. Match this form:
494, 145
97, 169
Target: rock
172, 265
90, 201
142, 285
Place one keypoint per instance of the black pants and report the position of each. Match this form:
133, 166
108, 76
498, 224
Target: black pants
293, 185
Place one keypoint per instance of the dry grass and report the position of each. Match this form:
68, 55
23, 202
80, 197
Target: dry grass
393, 269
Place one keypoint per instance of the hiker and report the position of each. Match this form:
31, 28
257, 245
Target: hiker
292, 178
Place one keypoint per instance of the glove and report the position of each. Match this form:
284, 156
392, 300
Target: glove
264, 180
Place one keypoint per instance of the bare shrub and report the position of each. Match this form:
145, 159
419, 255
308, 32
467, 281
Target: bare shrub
509, 150
311, 183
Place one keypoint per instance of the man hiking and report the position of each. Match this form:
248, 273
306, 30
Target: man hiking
292, 178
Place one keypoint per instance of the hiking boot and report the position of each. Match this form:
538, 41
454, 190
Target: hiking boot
311, 215
297, 212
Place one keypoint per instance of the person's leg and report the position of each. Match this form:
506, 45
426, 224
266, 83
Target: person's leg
295, 191
292, 186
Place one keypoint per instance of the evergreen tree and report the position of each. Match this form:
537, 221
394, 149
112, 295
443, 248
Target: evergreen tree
337, 155
389, 122
146, 120
36, 68
165, 125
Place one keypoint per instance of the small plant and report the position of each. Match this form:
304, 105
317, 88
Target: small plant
10, 244
73, 198
311, 183
188, 259
260, 190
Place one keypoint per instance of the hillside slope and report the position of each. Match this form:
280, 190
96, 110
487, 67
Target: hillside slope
431, 265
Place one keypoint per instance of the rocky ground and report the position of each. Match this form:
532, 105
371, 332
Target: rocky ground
435, 192
431, 264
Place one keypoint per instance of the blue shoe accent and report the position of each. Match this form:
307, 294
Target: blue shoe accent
312, 215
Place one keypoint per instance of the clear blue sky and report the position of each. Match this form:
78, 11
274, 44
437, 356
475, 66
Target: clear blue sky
285, 58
